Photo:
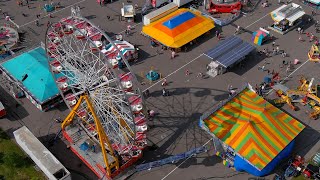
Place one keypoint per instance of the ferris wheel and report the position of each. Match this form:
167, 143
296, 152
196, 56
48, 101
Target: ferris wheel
105, 102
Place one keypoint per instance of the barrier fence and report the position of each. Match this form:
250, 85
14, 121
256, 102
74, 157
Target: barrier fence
171, 159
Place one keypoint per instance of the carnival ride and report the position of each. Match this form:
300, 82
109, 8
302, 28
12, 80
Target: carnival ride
115, 59
8, 39
217, 7
106, 126
307, 94
313, 54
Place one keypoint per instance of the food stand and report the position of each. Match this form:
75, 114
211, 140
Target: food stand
286, 17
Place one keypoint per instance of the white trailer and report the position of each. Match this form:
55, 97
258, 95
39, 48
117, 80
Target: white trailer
181, 2
159, 13
44, 159
128, 11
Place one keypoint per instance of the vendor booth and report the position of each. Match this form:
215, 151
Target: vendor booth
286, 18
226, 54
178, 28
128, 12
126, 49
260, 36
249, 133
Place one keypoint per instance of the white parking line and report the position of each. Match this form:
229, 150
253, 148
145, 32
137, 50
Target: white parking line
257, 20
182, 162
53, 12
174, 72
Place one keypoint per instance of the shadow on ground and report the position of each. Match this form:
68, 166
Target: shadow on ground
175, 128
59, 149
11, 103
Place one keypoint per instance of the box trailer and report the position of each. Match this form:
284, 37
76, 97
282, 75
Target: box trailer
44, 159
159, 13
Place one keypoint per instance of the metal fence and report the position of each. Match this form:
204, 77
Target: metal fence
171, 159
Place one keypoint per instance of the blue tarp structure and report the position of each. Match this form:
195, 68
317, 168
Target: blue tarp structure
230, 51
32, 70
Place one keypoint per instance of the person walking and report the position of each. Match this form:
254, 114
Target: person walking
147, 93
300, 38
128, 29
164, 82
299, 30
277, 49
200, 75
288, 69
274, 52
187, 72
165, 92
173, 54
273, 44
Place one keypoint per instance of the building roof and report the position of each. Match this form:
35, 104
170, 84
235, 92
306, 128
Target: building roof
254, 128
178, 28
39, 82
229, 51
291, 12
46, 161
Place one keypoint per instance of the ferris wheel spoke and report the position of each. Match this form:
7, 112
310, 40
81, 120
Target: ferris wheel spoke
111, 114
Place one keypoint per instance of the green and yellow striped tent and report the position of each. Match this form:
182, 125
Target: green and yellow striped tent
254, 128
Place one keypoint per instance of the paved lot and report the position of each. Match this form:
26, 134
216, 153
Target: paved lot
175, 128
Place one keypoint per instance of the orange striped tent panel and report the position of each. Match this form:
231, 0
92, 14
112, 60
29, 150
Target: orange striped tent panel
253, 127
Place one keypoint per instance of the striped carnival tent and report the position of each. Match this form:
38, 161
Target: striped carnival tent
256, 135
260, 36
125, 47
179, 27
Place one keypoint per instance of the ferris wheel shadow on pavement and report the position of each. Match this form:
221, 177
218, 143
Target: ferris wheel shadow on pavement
175, 128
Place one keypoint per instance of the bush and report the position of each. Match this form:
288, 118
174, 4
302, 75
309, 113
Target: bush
3, 135
13, 159
1, 158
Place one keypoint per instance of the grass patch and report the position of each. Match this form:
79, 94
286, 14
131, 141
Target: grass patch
14, 164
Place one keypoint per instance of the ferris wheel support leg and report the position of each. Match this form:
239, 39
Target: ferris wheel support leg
103, 139
67, 121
